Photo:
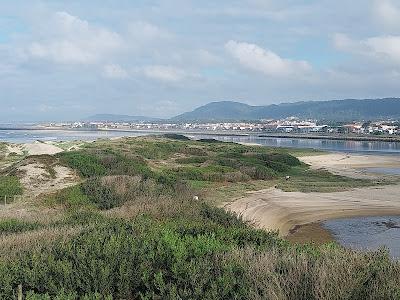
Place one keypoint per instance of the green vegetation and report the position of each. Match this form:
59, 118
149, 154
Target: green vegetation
10, 186
306, 181
70, 197
131, 229
14, 225
204, 253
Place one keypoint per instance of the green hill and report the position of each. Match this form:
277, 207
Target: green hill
338, 110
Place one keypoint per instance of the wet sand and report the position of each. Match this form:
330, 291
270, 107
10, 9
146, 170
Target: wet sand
273, 209
310, 233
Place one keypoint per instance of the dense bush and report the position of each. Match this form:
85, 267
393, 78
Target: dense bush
174, 136
86, 163
71, 197
216, 258
102, 195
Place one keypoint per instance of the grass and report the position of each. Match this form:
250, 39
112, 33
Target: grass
10, 186
307, 180
8, 226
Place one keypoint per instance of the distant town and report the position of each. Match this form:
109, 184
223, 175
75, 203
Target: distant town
288, 125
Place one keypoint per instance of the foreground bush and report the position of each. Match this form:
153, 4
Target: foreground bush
145, 259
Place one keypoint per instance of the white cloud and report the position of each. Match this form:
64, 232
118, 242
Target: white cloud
387, 13
382, 48
164, 73
265, 61
114, 71
70, 40
144, 31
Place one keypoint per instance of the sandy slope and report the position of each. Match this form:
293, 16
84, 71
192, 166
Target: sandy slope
38, 148
274, 209
35, 148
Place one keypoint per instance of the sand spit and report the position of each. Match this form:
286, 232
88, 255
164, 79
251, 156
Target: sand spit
352, 165
273, 209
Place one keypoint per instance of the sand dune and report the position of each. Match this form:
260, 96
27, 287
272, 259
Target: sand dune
274, 209
39, 148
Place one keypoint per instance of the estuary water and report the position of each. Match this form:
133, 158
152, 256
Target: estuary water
367, 147
368, 233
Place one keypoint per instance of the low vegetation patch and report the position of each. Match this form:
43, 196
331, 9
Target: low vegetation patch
8, 226
307, 180
10, 186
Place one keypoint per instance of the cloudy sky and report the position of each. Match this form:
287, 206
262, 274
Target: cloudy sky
71, 59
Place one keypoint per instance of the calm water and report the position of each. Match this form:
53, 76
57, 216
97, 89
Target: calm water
387, 171
368, 233
27, 136
375, 147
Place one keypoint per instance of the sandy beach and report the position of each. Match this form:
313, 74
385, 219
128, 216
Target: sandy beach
273, 209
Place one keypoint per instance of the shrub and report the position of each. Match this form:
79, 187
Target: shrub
71, 197
103, 196
174, 136
87, 164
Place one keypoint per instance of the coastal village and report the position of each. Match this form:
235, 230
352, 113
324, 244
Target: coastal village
288, 125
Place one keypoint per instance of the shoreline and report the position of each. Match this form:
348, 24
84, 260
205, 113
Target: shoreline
359, 138
294, 213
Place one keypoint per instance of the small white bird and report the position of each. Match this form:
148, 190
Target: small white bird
195, 198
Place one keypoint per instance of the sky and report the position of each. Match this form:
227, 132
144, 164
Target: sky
66, 60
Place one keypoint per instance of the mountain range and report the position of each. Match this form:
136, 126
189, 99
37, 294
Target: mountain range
333, 110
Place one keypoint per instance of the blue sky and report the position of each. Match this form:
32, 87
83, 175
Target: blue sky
70, 59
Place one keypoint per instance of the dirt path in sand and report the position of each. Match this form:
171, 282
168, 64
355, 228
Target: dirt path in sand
274, 209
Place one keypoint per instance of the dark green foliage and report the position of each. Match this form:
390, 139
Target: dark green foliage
105, 162
10, 186
14, 225
71, 197
205, 173
209, 141
214, 257
174, 136
102, 195
87, 164
129, 261
221, 216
